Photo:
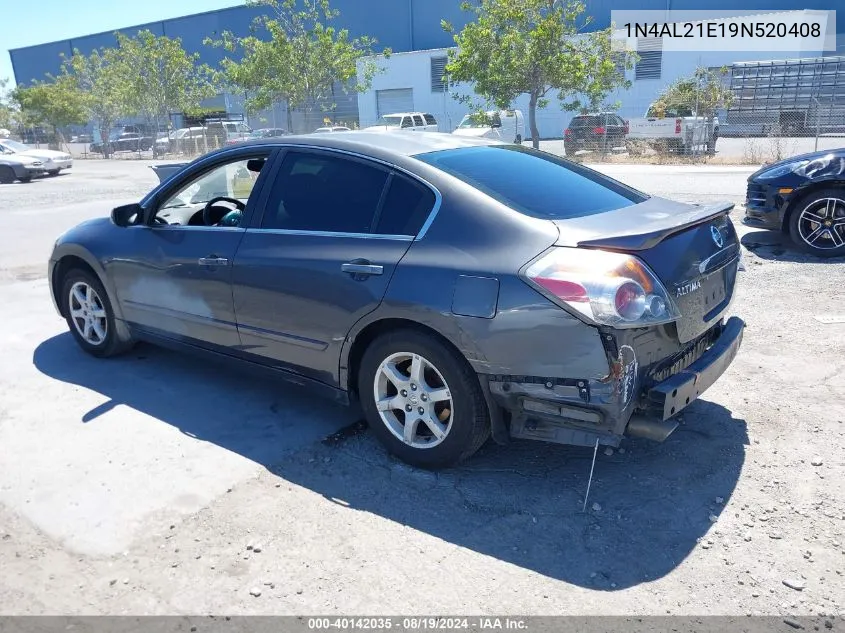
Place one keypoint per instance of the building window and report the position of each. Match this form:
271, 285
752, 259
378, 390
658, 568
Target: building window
438, 68
650, 51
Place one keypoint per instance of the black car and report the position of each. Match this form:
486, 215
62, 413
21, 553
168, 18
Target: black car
803, 196
457, 287
601, 131
125, 142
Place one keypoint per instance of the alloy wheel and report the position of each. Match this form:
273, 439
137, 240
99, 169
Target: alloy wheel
88, 313
413, 400
822, 223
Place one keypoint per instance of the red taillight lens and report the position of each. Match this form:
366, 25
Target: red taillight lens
677, 126
598, 130
567, 132
565, 290
605, 288
629, 301
626, 127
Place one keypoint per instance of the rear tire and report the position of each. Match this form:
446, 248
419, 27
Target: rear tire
26, 179
54, 172
459, 421
90, 316
808, 223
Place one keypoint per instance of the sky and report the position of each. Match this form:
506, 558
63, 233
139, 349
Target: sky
62, 19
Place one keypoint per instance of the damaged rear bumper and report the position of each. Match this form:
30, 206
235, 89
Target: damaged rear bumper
580, 412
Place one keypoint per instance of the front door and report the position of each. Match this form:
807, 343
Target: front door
334, 227
178, 280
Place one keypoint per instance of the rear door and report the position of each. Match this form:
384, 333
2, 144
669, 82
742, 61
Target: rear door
321, 256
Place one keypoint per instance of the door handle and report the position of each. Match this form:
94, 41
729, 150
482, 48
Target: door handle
355, 268
213, 261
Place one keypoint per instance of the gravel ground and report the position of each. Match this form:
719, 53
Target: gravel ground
159, 484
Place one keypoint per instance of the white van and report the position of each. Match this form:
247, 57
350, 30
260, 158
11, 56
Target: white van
407, 121
507, 125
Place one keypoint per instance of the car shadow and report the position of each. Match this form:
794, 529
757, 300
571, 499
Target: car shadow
778, 246
650, 505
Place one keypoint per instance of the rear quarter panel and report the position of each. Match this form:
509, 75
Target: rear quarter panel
475, 236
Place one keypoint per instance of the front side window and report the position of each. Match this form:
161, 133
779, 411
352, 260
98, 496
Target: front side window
430, 120
233, 180
418, 121
534, 183
323, 192
407, 122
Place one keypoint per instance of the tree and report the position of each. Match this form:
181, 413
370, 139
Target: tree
301, 60
8, 111
161, 77
534, 47
704, 92
56, 104
102, 82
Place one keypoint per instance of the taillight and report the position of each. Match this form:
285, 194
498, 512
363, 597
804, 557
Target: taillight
567, 132
626, 127
605, 288
598, 130
677, 126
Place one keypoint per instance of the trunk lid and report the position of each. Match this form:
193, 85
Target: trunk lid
693, 249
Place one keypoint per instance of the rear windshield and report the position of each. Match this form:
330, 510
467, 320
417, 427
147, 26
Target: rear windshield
586, 121
534, 183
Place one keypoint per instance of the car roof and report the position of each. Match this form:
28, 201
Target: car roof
377, 144
404, 113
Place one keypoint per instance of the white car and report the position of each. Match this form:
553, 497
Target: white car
334, 128
505, 125
406, 121
53, 161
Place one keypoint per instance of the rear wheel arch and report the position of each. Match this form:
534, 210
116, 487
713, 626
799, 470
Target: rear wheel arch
369, 333
804, 194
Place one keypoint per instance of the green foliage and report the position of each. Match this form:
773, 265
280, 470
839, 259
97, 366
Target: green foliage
160, 77
533, 47
704, 92
8, 110
56, 104
301, 61
101, 80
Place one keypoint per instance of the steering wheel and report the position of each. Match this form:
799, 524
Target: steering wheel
208, 220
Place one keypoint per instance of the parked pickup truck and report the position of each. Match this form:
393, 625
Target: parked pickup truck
677, 130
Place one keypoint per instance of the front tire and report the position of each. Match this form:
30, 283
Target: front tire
817, 223
89, 315
422, 400
7, 175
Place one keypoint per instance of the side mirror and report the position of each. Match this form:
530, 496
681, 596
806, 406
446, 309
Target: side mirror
127, 214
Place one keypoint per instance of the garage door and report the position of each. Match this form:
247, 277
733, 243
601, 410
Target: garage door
392, 101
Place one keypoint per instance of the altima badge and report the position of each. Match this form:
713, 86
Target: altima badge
689, 288
717, 237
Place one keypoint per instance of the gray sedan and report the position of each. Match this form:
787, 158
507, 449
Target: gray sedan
18, 167
458, 288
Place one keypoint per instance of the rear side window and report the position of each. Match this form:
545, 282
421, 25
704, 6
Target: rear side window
407, 122
320, 192
534, 183
430, 120
418, 121
406, 207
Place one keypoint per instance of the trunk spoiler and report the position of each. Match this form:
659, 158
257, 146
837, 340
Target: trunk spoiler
639, 227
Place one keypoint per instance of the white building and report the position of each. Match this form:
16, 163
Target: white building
413, 81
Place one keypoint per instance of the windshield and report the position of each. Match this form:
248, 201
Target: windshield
534, 183
14, 145
390, 120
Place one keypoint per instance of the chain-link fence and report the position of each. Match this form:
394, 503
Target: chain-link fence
777, 109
